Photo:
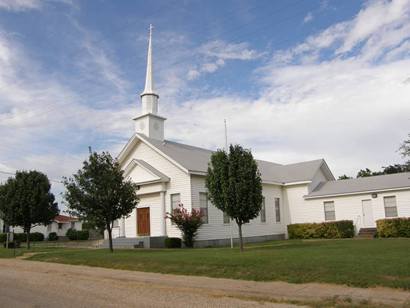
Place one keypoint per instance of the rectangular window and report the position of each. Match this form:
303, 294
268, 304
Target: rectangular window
115, 224
203, 206
175, 201
227, 219
49, 228
329, 210
60, 226
390, 206
263, 211
72, 225
277, 209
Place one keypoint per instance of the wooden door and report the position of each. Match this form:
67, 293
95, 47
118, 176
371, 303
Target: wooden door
143, 221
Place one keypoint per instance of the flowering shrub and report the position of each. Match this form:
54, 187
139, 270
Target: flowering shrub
187, 222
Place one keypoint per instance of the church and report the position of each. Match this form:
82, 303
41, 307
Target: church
169, 173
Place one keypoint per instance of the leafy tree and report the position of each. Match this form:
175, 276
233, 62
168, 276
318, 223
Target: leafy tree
234, 185
99, 194
367, 172
405, 148
26, 201
344, 177
396, 168
187, 222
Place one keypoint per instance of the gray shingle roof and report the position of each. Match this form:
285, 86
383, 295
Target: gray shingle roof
373, 183
196, 159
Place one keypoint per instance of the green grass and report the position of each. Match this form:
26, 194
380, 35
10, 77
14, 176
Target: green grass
361, 263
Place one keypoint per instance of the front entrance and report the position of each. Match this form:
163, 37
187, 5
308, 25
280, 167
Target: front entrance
368, 220
143, 221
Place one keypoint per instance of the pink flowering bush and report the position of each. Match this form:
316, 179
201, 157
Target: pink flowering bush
187, 222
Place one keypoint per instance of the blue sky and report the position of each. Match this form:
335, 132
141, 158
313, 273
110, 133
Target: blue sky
296, 80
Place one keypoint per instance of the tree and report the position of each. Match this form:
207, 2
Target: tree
367, 172
234, 185
405, 148
344, 177
99, 194
187, 222
26, 201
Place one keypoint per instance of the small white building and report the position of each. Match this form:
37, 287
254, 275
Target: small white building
60, 225
169, 173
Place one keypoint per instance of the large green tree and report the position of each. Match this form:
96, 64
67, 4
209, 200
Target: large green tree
235, 186
26, 201
99, 193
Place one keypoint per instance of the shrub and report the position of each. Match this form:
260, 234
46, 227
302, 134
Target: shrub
332, 229
393, 227
53, 236
173, 242
34, 237
3, 237
188, 223
74, 235
14, 244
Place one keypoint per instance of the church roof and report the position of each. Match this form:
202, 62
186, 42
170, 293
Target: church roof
360, 185
195, 160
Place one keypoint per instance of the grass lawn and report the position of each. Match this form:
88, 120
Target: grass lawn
362, 263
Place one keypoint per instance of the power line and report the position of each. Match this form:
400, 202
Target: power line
13, 173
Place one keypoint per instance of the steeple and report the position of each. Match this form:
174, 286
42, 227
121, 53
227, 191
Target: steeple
148, 97
149, 122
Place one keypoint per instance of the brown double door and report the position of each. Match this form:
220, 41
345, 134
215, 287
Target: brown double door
143, 221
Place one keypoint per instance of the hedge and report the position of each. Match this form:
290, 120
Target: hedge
173, 242
21, 237
74, 235
53, 236
331, 229
393, 227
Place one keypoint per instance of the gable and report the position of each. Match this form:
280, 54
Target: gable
142, 172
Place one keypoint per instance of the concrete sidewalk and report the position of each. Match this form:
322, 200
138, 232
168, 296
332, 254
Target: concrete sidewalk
47, 284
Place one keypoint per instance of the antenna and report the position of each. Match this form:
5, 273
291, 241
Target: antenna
226, 136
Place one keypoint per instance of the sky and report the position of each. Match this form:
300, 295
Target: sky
296, 80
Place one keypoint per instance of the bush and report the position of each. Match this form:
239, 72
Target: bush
74, 235
332, 229
14, 244
393, 227
34, 237
3, 237
188, 223
173, 242
53, 236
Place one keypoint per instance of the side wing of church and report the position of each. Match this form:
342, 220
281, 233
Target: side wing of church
170, 173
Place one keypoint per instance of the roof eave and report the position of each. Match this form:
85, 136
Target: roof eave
307, 197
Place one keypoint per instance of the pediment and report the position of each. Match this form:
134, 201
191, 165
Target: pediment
141, 172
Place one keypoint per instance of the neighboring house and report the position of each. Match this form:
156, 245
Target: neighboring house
60, 225
169, 173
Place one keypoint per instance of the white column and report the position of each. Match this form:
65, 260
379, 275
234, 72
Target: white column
122, 228
163, 225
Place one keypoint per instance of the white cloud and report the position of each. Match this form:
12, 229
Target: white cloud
214, 55
308, 18
20, 5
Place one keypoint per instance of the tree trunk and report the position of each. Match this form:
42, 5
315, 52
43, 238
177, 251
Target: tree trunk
28, 237
109, 230
240, 236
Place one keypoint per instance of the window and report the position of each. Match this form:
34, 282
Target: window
175, 201
60, 226
227, 219
116, 223
277, 209
390, 206
72, 225
49, 228
329, 210
263, 211
203, 206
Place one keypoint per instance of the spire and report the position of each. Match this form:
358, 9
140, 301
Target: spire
149, 81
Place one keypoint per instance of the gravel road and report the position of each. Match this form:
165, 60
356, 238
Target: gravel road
37, 284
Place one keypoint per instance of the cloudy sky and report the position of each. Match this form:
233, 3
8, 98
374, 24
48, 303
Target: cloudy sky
296, 80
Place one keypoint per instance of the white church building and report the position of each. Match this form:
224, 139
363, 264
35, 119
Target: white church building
170, 173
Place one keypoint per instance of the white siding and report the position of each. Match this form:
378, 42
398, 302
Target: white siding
216, 229
346, 207
179, 183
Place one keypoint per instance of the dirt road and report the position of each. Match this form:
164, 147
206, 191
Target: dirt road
37, 284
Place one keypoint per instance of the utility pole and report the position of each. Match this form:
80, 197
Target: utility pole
226, 149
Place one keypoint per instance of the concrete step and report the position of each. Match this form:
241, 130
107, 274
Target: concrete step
135, 242
367, 232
